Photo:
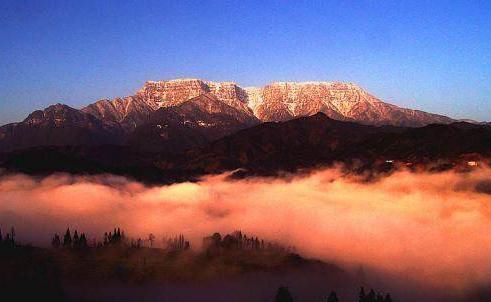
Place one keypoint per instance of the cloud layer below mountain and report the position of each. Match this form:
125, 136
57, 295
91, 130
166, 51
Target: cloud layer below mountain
428, 227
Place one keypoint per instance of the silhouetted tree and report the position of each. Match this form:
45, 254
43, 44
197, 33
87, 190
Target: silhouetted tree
75, 239
333, 297
380, 298
9, 240
82, 241
283, 295
388, 298
371, 297
56, 242
67, 239
12, 236
151, 239
362, 296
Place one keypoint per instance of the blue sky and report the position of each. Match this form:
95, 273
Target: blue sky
429, 55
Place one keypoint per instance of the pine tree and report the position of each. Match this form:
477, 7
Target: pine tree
151, 239
380, 298
283, 295
67, 239
12, 236
371, 297
76, 239
362, 297
333, 297
56, 242
82, 241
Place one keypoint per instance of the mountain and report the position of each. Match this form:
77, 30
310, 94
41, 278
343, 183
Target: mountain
319, 140
58, 125
342, 101
129, 112
278, 101
135, 110
267, 149
175, 115
190, 124
289, 145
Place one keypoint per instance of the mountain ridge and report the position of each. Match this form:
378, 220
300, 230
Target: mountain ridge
270, 149
116, 120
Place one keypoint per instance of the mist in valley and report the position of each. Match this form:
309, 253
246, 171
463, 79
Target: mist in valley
429, 231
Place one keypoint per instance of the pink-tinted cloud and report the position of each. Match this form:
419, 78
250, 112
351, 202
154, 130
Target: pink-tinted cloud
429, 227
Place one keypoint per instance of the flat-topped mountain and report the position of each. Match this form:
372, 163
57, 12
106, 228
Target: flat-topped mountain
341, 101
278, 101
178, 114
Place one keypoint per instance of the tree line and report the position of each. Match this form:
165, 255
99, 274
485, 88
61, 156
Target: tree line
283, 295
9, 240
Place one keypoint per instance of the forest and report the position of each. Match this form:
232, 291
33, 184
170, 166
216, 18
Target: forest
33, 273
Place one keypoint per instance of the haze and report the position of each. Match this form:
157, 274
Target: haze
432, 228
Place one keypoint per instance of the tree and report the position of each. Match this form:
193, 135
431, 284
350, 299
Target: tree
12, 235
333, 297
283, 295
56, 242
82, 243
371, 297
67, 239
76, 239
151, 239
380, 298
388, 298
362, 297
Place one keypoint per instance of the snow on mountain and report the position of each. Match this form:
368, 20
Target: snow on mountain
226, 108
277, 101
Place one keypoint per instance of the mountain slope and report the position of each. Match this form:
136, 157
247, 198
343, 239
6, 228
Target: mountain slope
129, 112
318, 140
58, 125
265, 149
279, 101
184, 113
342, 101
190, 124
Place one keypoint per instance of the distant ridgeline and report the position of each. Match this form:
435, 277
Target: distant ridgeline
268, 149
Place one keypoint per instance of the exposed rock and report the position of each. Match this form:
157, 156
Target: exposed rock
342, 101
213, 109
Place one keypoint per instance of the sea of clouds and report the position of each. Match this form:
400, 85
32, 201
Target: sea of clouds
428, 227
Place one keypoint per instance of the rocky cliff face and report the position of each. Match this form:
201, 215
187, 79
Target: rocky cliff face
190, 124
342, 101
278, 101
133, 111
210, 109
129, 112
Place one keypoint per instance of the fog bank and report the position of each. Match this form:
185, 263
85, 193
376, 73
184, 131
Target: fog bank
429, 227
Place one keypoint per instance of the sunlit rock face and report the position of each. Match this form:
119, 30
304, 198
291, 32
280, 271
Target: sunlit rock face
220, 108
159, 94
277, 101
135, 110
130, 111
342, 101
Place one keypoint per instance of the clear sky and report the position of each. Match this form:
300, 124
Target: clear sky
430, 55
